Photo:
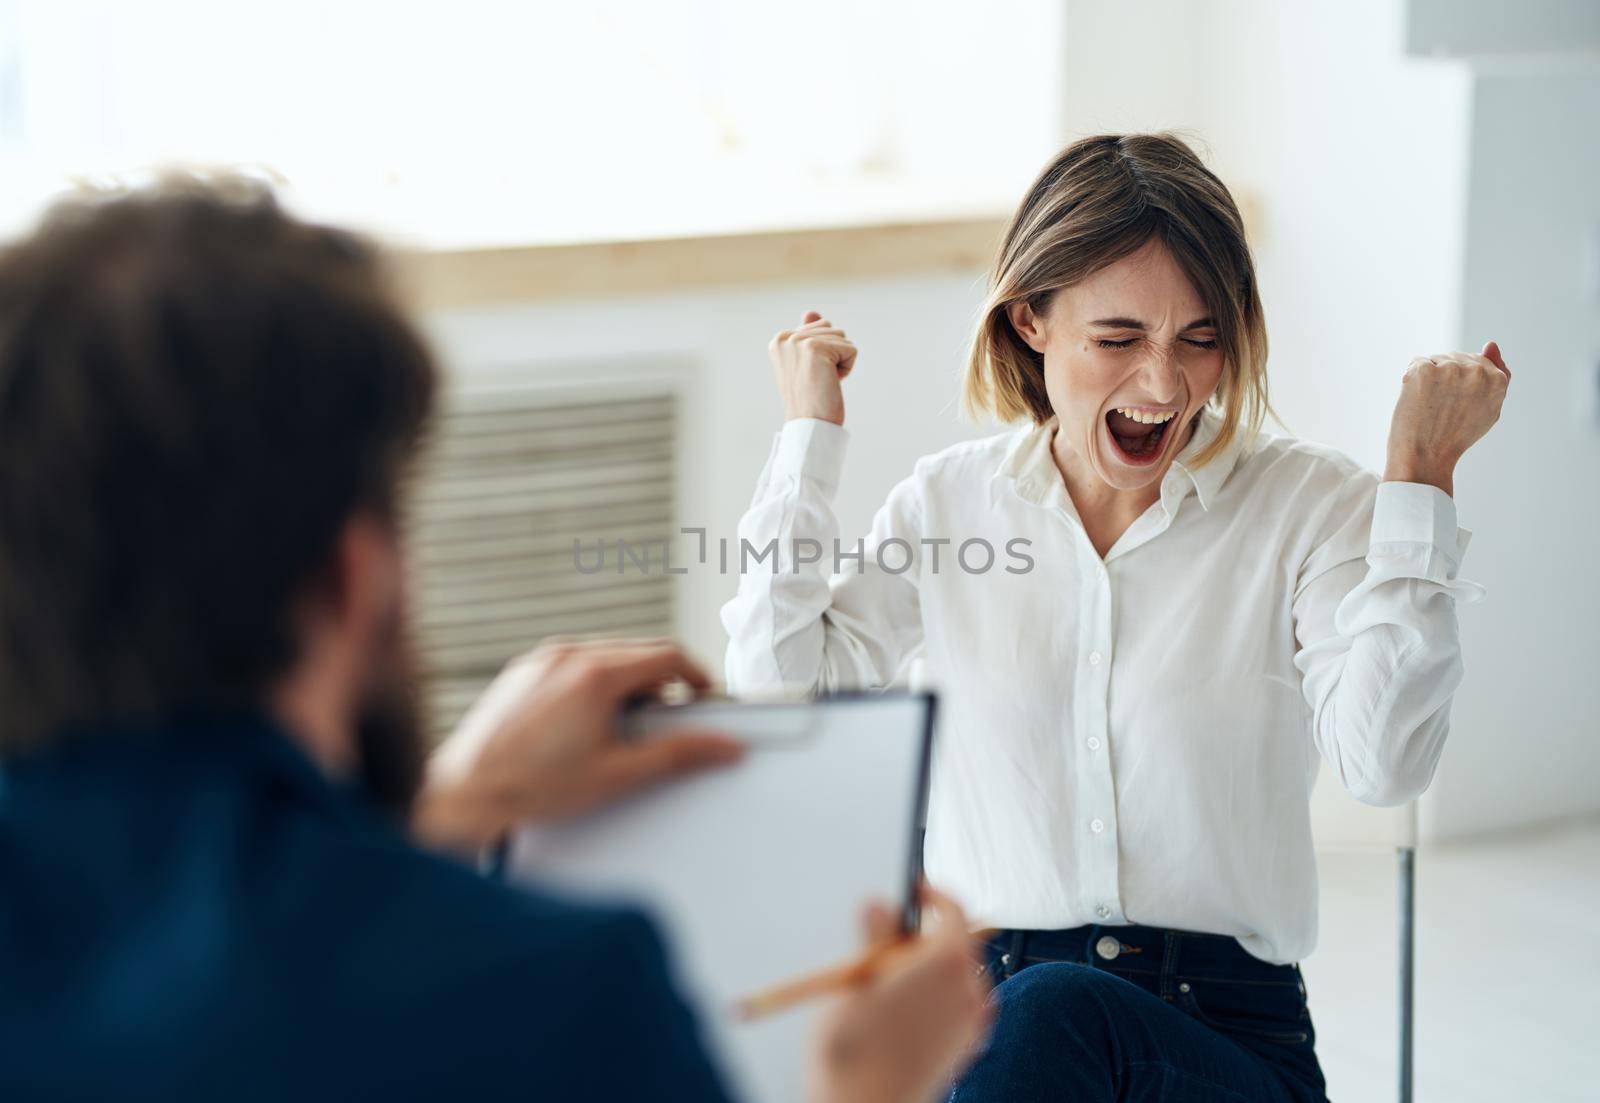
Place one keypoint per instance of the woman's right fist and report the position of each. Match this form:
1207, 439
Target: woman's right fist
809, 362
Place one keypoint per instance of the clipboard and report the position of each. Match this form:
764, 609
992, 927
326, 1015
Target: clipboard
757, 872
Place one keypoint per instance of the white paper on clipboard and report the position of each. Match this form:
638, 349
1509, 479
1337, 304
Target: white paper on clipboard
757, 872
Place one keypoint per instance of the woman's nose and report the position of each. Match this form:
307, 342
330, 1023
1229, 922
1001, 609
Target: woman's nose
1160, 376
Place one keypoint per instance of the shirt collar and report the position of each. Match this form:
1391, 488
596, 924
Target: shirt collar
1029, 464
1208, 479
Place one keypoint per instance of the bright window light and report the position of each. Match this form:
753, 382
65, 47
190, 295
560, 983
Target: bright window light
479, 123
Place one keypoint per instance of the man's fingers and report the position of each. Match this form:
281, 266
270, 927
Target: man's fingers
627, 670
810, 316
687, 751
879, 923
633, 766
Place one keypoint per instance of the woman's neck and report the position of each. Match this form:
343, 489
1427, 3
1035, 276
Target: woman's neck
1106, 511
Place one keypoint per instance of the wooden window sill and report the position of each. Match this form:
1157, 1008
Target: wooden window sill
454, 279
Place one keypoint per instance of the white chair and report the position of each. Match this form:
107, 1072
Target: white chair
1340, 822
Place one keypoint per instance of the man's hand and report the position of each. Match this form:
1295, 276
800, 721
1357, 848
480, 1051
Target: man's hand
914, 1027
542, 742
1447, 403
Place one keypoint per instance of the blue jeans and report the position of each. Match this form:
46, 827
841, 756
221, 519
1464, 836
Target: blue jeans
1141, 1013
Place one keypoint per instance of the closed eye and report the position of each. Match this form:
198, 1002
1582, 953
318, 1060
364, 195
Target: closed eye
1194, 342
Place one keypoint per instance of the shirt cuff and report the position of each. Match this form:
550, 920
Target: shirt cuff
1416, 513
807, 447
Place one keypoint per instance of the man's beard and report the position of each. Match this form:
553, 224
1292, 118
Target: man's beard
389, 727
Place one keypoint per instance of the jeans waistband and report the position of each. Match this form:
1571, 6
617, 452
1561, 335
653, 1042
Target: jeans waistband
1149, 950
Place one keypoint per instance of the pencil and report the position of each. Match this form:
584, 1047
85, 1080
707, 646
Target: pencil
857, 971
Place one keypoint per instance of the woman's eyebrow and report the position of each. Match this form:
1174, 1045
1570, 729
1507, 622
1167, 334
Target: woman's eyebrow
1134, 323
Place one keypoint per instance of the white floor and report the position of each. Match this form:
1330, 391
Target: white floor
1508, 971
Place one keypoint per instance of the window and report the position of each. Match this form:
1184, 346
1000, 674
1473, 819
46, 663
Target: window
476, 122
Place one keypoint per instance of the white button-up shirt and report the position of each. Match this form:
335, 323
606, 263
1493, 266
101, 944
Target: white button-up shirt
1130, 739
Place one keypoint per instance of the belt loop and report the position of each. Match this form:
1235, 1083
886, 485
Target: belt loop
1019, 939
1169, 961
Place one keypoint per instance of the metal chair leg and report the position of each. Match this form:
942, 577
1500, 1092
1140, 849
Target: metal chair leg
1408, 886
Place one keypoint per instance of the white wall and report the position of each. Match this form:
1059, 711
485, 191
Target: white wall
1525, 744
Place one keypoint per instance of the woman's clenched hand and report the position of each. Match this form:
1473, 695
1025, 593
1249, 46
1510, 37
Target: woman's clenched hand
809, 362
1447, 403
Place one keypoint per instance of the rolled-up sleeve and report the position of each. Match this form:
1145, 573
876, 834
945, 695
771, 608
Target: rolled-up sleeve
1378, 647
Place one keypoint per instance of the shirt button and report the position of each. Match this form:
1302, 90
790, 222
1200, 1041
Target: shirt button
1108, 948
1094, 658
1103, 912
1097, 825
1094, 742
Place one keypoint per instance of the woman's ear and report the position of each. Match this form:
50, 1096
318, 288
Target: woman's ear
1029, 326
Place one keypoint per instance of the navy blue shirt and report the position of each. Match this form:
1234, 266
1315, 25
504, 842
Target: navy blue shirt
198, 913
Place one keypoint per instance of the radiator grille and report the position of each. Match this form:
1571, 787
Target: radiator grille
511, 480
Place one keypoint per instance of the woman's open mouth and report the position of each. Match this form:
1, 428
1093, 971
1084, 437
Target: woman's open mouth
1137, 433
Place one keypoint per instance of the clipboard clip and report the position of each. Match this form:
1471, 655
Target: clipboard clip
760, 725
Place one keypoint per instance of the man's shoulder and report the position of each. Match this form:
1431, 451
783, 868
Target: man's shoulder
270, 917
519, 978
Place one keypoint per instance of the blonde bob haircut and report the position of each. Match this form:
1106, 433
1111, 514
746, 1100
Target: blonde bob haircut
1102, 199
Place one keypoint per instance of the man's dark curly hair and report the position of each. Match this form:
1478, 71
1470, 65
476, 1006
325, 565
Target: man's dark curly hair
197, 391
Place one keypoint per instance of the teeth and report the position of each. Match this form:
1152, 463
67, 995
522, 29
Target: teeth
1145, 418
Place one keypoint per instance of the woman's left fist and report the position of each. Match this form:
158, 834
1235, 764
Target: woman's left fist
1447, 403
